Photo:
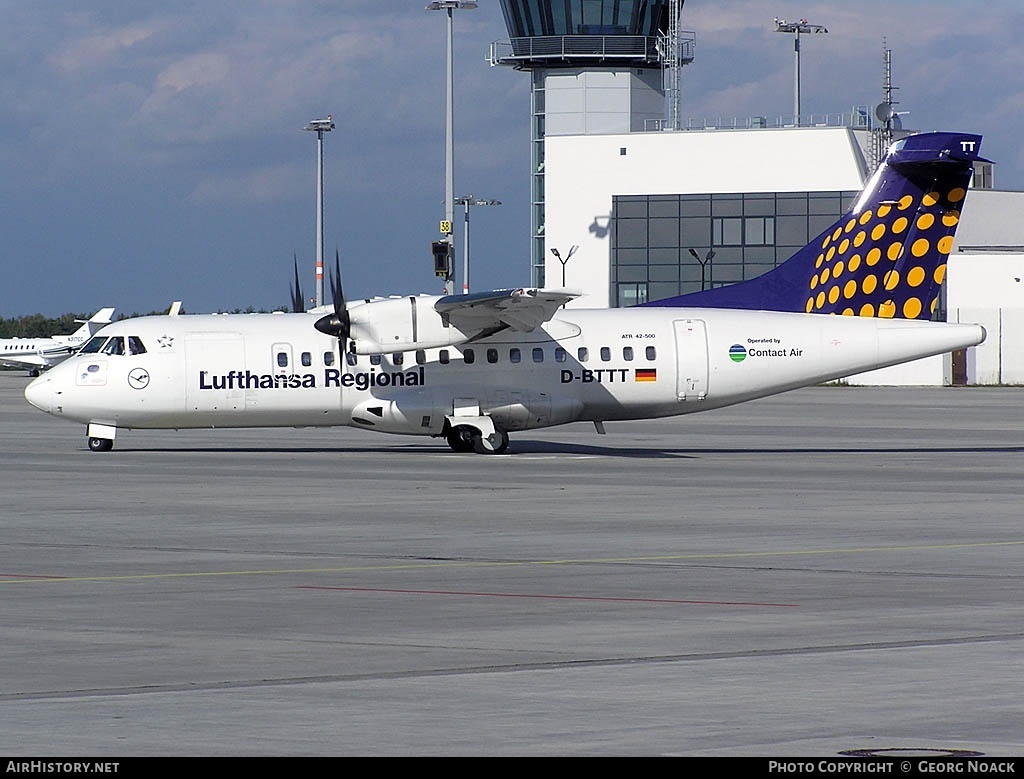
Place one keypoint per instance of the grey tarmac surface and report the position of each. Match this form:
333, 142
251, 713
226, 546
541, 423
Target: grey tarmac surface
829, 570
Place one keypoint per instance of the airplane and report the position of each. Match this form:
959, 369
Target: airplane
471, 368
39, 354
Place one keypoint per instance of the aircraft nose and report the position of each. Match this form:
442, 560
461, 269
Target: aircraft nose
39, 393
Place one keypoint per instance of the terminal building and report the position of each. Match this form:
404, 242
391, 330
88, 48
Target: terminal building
631, 204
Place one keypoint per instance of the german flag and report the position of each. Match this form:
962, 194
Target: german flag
646, 374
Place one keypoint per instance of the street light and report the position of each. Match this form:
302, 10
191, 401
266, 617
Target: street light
449, 162
797, 27
467, 201
568, 257
320, 126
706, 261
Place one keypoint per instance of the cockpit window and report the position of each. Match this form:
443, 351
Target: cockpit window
135, 345
115, 345
92, 346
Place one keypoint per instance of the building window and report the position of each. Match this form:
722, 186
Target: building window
654, 238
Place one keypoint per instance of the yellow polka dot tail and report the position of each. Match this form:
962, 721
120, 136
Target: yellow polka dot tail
887, 256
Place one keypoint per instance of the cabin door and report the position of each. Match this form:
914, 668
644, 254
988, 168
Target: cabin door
692, 359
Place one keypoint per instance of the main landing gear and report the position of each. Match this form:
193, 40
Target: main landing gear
466, 438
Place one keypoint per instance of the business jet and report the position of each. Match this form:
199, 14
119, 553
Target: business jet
470, 369
38, 354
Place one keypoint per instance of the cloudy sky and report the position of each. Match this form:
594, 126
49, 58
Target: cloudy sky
154, 151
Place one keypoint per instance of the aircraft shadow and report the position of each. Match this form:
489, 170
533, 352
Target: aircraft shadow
527, 447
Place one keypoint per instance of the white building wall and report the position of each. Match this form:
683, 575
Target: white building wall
583, 172
988, 289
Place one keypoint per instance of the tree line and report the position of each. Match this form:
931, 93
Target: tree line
39, 326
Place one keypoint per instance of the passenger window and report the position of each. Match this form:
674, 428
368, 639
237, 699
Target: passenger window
307, 359
398, 358
492, 355
652, 353
421, 357
375, 359
328, 359
114, 346
469, 356
606, 354
282, 359
538, 354
351, 358
514, 355
583, 354
627, 353
135, 345
443, 357
559, 354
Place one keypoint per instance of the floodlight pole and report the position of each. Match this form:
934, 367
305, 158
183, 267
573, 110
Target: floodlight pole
467, 201
320, 126
797, 27
449, 162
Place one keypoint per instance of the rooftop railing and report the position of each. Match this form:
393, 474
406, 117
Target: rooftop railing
552, 49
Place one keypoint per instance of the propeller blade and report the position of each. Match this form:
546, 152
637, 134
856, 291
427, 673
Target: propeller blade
298, 305
338, 324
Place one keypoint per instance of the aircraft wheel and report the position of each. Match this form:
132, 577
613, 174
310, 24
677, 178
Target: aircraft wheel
100, 444
496, 443
33, 373
460, 438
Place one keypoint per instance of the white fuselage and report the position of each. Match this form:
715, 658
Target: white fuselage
272, 370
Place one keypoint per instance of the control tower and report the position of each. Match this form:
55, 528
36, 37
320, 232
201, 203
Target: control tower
597, 67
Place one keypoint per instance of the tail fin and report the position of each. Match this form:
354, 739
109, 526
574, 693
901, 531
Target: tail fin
887, 256
93, 324
97, 321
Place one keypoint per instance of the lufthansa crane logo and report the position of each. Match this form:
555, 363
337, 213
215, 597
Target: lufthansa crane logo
138, 378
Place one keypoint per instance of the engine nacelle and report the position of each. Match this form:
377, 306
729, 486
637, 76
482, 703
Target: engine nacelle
402, 324
407, 414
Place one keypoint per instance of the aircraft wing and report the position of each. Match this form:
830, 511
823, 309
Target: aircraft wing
521, 310
26, 361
